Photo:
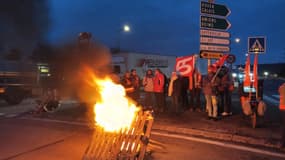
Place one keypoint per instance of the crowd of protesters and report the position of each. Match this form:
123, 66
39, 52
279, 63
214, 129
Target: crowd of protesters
185, 92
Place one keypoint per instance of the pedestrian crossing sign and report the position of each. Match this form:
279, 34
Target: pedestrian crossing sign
256, 44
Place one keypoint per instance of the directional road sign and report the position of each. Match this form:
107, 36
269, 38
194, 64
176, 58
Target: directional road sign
214, 9
211, 33
214, 48
212, 55
210, 40
214, 23
256, 44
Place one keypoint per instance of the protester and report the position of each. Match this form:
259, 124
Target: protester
282, 111
135, 80
210, 84
127, 83
174, 91
158, 87
225, 92
184, 92
195, 90
148, 89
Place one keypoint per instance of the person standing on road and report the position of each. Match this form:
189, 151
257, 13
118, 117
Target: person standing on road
195, 90
128, 85
135, 79
210, 84
282, 110
158, 88
225, 92
148, 89
174, 91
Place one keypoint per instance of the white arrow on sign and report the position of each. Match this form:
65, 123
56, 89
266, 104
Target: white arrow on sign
214, 40
211, 33
214, 48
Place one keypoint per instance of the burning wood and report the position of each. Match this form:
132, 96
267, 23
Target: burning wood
122, 129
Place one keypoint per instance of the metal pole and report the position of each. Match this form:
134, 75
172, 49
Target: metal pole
256, 78
209, 60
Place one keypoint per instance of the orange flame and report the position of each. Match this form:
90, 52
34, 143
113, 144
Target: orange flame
114, 111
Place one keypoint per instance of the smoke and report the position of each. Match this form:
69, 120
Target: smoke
76, 66
23, 23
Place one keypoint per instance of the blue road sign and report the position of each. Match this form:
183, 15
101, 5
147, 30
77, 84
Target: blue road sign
256, 44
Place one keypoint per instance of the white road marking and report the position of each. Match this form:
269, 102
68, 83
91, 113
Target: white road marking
223, 144
56, 121
271, 100
11, 115
276, 96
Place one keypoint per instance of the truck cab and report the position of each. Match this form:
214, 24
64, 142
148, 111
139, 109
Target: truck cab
17, 81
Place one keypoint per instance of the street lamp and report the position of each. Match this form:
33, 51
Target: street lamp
266, 74
126, 28
237, 40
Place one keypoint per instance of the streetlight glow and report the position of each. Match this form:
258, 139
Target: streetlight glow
126, 28
266, 73
237, 40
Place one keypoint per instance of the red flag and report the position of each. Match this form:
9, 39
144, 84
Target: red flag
220, 62
246, 82
255, 72
185, 65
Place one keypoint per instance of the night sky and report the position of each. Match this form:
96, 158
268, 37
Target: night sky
167, 27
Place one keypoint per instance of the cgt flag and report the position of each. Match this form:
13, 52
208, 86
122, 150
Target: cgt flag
246, 82
220, 62
185, 65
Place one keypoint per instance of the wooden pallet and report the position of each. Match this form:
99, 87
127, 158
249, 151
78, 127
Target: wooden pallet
128, 144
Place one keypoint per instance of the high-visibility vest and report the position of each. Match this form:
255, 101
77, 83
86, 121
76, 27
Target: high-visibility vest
282, 97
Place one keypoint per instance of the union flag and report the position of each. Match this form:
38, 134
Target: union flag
185, 65
246, 82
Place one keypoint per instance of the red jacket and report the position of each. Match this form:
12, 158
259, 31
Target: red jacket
158, 83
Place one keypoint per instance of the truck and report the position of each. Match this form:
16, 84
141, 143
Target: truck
125, 61
18, 81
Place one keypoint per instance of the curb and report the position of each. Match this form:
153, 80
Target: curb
219, 136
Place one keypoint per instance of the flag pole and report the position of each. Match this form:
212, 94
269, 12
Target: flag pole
256, 73
216, 74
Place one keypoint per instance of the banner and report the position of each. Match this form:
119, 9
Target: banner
185, 65
246, 82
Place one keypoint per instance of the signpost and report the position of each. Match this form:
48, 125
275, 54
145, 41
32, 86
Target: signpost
214, 40
214, 23
256, 44
211, 33
214, 9
214, 55
215, 48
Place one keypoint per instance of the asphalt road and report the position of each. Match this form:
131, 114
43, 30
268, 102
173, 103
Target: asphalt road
25, 139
